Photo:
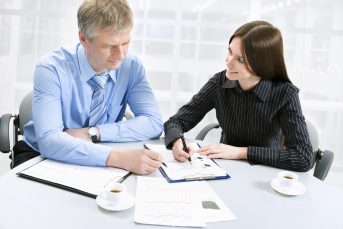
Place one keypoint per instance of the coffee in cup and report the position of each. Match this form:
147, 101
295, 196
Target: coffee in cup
287, 179
113, 192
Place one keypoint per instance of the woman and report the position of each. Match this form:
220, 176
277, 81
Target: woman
256, 105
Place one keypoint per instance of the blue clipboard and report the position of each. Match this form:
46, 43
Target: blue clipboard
196, 177
201, 167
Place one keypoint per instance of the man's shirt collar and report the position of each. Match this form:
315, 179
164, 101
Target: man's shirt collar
86, 70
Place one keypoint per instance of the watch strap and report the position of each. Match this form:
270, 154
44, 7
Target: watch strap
94, 138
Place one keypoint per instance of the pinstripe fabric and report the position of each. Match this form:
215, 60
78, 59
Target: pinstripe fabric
255, 119
97, 114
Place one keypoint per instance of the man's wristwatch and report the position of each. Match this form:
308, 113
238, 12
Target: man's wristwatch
93, 133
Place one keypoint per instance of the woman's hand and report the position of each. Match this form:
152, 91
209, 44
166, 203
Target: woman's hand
224, 151
179, 153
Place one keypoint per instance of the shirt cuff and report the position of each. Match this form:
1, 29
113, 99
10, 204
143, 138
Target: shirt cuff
171, 135
251, 155
99, 155
262, 155
108, 132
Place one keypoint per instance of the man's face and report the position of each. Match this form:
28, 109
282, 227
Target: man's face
107, 49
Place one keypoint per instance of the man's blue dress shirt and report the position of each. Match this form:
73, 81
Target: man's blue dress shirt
62, 98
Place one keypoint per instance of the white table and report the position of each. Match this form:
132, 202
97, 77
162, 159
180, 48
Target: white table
28, 204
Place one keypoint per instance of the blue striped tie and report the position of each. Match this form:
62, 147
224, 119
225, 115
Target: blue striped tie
98, 114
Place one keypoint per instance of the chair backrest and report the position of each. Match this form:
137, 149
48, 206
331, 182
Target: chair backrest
16, 122
313, 134
25, 111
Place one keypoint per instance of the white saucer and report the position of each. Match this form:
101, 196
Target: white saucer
123, 203
297, 189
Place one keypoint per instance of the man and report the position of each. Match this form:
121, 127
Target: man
81, 93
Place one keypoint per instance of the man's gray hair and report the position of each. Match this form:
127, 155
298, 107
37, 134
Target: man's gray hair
101, 14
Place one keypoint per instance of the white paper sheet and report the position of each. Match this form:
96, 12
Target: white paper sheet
161, 203
200, 167
85, 178
214, 209
178, 204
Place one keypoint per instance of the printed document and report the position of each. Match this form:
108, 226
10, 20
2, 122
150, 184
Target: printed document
178, 204
200, 167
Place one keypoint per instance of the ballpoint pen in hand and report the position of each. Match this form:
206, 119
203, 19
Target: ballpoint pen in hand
163, 163
185, 147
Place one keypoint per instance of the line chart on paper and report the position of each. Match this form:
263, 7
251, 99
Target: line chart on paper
167, 203
161, 203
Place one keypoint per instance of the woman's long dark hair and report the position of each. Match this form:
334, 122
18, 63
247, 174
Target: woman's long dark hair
262, 48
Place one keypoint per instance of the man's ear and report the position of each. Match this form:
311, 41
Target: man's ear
82, 38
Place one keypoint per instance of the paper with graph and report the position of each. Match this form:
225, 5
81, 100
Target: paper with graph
178, 204
161, 203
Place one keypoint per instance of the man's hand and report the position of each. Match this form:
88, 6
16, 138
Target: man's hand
79, 133
139, 161
224, 151
179, 153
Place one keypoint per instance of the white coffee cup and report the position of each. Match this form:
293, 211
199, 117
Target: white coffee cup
287, 179
113, 192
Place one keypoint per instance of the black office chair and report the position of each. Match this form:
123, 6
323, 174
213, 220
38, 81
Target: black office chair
322, 160
16, 122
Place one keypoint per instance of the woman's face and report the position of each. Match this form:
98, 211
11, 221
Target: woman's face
236, 68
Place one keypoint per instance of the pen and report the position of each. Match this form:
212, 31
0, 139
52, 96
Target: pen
198, 145
145, 146
185, 147
124, 178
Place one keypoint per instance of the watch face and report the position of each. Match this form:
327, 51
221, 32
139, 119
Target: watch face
93, 134
93, 131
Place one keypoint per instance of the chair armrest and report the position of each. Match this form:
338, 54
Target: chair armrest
4, 133
202, 134
323, 165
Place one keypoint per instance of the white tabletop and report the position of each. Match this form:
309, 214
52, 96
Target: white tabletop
28, 204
